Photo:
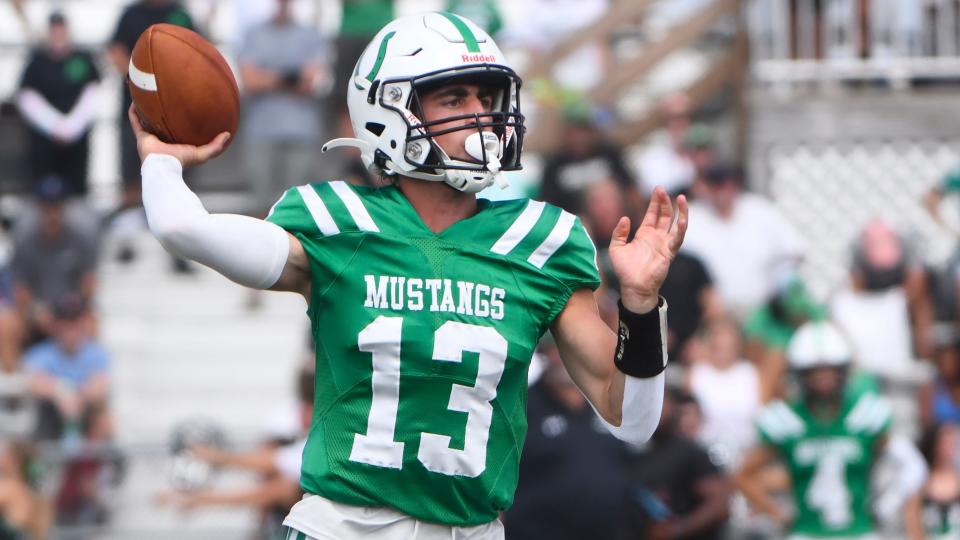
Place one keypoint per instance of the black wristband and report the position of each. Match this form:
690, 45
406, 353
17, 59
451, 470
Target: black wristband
641, 341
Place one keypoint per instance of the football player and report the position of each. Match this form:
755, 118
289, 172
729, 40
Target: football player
830, 440
426, 302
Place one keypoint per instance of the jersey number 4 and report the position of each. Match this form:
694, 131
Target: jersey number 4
378, 447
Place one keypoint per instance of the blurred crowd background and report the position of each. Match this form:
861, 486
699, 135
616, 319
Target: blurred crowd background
144, 397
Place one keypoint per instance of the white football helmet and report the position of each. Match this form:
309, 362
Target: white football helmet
818, 343
419, 52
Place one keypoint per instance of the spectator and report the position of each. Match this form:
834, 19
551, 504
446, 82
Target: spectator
58, 99
700, 148
941, 494
603, 207
22, 512
742, 239
934, 198
666, 162
676, 491
944, 282
68, 372
583, 159
360, 20
940, 398
278, 464
248, 14
728, 414
693, 300
10, 331
280, 64
571, 472
886, 310
136, 18
768, 330
51, 259
92, 471
689, 416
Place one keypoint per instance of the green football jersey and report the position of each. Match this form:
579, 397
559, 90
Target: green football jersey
423, 343
830, 463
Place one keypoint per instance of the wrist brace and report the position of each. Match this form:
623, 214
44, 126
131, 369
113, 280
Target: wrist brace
642, 341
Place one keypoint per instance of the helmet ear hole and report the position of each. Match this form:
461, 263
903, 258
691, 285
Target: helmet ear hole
393, 143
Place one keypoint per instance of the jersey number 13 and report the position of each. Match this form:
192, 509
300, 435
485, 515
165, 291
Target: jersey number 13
378, 447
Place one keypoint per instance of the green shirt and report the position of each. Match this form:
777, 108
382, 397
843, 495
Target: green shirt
364, 18
423, 344
829, 462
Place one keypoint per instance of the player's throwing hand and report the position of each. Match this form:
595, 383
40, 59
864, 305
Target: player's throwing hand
641, 264
148, 143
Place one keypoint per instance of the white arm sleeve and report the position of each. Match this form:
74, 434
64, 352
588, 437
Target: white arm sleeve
249, 251
38, 111
910, 474
642, 404
79, 119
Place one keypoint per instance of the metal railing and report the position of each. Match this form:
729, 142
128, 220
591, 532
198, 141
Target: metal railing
898, 41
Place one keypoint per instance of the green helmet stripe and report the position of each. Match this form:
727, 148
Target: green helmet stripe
356, 73
469, 39
380, 56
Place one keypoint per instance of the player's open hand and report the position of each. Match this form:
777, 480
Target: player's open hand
641, 264
148, 143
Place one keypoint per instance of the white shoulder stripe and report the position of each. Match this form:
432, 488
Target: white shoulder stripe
596, 265
355, 206
276, 204
556, 238
318, 210
520, 228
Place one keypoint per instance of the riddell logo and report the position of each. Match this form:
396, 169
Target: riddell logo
478, 58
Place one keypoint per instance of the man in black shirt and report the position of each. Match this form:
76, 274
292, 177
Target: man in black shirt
135, 19
675, 491
57, 98
571, 471
689, 291
583, 160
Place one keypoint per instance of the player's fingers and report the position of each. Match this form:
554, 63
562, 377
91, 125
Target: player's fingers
214, 148
620, 232
680, 230
653, 208
138, 130
665, 214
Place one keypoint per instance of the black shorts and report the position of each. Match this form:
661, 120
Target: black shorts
46, 157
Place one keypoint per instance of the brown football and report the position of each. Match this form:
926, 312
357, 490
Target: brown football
183, 89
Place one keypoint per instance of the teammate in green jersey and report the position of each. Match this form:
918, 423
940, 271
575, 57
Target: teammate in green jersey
426, 303
830, 440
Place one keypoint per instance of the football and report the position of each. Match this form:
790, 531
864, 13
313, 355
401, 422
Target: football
182, 87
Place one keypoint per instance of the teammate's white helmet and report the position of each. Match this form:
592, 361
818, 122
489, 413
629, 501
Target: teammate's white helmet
818, 343
417, 52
